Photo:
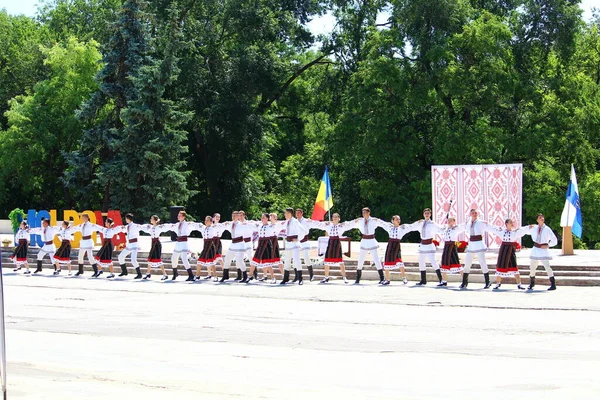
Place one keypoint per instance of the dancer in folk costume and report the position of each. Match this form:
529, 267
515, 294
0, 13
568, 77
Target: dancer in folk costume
543, 238
19, 255
507, 259
217, 232
393, 252
104, 255
248, 236
476, 230
293, 230
450, 261
155, 255
264, 256
132, 230
367, 225
333, 253
237, 249
428, 229
183, 229
278, 231
47, 233
208, 257
63, 254
307, 224
86, 245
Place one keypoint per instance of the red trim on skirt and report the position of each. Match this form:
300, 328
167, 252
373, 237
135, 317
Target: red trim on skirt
392, 263
334, 260
155, 260
208, 260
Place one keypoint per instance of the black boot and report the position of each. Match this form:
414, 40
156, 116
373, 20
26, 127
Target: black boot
439, 275
300, 278
123, 270
255, 274
311, 274
95, 268
531, 283
225, 275
245, 277
295, 275
239, 275
358, 276
139, 273
80, 271
488, 284
423, 280
190, 275
39, 267
465, 281
381, 277
286, 277
552, 283
175, 274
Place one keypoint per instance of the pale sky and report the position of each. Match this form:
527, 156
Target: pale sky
323, 24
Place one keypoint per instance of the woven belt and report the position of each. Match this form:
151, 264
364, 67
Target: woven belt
133, 240
66, 241
182, 238
450, 243
394, 240
540, 245
154, 240
22, 241
247, 239
86, 237
427, 241
105, 241
476, 238
239, 239
368, 236
291, 238
304, 240
509, 244
50, 242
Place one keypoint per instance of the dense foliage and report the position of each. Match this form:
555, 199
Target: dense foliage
234, 104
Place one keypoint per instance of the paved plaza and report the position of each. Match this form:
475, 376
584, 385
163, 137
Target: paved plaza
80, 338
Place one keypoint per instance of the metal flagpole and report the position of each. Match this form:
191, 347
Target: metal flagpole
2, 333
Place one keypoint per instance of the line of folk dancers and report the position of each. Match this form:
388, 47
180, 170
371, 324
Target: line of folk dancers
295, 229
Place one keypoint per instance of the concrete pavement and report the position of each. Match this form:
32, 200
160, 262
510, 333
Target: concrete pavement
70, 338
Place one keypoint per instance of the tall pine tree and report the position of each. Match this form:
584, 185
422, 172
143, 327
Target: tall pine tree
91, 172
151, 164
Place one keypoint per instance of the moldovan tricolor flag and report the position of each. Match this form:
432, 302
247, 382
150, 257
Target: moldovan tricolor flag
324, 200
571, 215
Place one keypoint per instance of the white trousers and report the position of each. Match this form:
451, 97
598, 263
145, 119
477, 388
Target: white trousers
249, 254
90, 256
534, 264
306, 257
184, 259
42, 254
239, 260
287, 260
123, 255
482, 262
423, 257
374, 257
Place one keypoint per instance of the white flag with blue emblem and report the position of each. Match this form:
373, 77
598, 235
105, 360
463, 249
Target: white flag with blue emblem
571, 215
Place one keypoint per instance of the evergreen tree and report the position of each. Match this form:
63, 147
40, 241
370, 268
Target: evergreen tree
92, 166
150, 163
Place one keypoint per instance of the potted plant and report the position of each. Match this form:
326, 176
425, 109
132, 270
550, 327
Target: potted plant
6, 242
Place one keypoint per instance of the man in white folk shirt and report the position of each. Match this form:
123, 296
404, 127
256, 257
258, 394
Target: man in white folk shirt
428, 229
248, 244
476, 229
237, 249
307, 224
367, 225
543, 238
183, 229
132, 231
47, 233
293, 231
86, 245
